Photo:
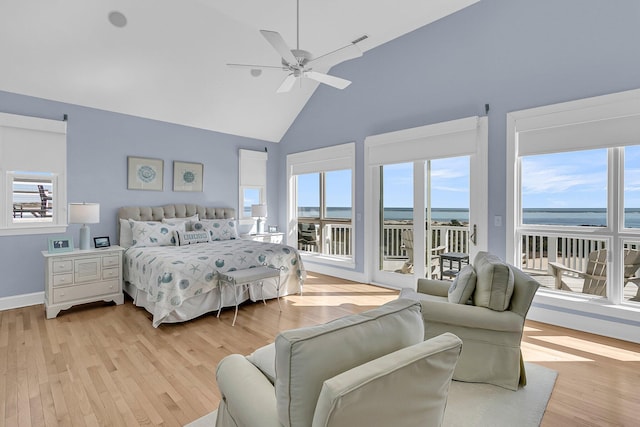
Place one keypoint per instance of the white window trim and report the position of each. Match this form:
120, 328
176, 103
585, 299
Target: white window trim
338, 157
250, 161
33, 126
582, 312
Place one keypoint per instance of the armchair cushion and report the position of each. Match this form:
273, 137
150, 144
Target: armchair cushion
463, 286
494, 283
306, 357
419, 377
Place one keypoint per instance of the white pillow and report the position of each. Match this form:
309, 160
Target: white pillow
219, 229
184, 238
188, 221
154, 233
126, 234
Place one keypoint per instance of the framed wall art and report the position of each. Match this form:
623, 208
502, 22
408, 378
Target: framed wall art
145, 174
187, 176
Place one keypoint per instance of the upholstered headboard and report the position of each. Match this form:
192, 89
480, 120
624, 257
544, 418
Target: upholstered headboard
157, 213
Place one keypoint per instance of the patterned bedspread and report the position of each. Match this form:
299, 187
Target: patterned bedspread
172, 274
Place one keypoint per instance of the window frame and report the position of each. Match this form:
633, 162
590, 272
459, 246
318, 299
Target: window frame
20, 137
575, 126
252, 175
338, 157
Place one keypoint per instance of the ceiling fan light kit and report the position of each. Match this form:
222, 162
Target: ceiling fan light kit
300, 63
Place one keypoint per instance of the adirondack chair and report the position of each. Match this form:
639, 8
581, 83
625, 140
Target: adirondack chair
434, 253
19, 209
595, 274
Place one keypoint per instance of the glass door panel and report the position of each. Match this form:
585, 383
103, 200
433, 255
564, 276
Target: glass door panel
308, 198
396, 218
447, 183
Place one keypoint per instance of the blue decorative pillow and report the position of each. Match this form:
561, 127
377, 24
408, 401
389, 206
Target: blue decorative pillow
219, 229
154, 233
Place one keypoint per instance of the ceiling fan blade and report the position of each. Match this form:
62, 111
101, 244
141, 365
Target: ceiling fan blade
280, 67
278, 43
345, 53
287, 84
334, 81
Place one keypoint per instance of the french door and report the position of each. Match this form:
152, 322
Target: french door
423, 208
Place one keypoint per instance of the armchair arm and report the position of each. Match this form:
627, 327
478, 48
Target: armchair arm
434, 287
471, 316
248, 398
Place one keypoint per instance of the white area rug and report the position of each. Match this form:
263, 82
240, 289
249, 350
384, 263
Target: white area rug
476, 405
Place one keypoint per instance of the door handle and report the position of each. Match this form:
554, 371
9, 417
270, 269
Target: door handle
473, 235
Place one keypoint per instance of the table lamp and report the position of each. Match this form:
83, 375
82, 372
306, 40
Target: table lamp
84, 213
259, 212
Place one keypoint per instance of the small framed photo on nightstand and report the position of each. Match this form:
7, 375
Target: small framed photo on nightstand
101, 242
60, 244
272, 228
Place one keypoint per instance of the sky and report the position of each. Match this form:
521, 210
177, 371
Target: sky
450, 185
576, 179
558, 180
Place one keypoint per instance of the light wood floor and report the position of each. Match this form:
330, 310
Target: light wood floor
102, 364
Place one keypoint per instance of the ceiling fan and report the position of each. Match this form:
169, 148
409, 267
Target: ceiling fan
300, 63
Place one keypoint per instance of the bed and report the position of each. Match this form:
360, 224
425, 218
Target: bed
176, 283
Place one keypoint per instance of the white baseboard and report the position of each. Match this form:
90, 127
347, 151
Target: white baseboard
24, 300
335, 272
582, 314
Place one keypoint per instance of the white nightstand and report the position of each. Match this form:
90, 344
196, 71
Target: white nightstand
265, 237
84, 276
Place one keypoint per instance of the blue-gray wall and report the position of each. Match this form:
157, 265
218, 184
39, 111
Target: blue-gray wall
98, 143
511, 54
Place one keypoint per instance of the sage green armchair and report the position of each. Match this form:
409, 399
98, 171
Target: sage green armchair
369, 369
489, 319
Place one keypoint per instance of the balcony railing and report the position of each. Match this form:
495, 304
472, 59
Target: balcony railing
336, 238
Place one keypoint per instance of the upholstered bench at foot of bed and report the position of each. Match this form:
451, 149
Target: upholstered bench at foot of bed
239, 278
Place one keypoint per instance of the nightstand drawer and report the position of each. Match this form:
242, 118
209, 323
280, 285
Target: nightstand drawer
110, 261
71, 293
63, 266
110, 273
62, 279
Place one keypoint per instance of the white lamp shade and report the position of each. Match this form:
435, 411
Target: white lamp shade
84, 213
258, 211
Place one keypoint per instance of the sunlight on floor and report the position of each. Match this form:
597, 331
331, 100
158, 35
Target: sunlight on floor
538, 353
587, 346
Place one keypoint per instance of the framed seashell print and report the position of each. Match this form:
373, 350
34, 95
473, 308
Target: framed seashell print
145, 173
187, 176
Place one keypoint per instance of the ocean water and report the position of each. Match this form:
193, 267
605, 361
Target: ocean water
567, 217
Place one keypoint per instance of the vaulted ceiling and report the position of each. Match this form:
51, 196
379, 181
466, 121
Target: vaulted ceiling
168, 62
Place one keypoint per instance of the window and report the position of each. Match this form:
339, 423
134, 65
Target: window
32, 197
568, 188
321, 202
324, 212
253, 181
576, 196
32, 175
